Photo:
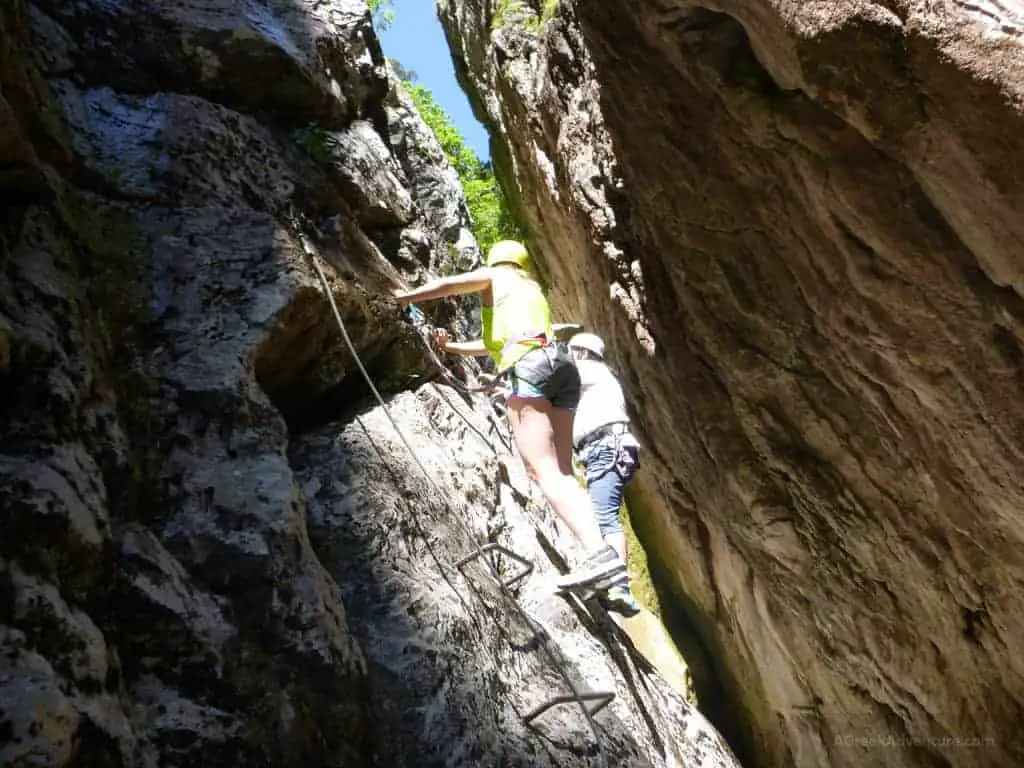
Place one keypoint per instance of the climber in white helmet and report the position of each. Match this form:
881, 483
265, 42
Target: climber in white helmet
608, 451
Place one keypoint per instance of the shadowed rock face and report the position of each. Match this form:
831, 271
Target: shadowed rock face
798, 227
204, 560
161, 601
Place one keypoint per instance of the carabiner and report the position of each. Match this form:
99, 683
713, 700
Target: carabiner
414, 316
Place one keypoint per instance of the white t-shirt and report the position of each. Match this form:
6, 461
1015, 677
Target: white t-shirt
601, 399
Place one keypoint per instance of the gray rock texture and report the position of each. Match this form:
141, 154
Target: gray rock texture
204, 561
455, 663
798, 226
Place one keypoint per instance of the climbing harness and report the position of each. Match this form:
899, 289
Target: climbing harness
598, 699
625, 450
615, 429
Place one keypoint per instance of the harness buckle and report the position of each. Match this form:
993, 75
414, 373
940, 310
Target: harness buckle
616, 428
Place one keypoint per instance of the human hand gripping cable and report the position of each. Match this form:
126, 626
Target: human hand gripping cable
438, 340
441, 339
414, 316
443, 343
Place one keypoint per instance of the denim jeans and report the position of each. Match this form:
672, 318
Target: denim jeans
609, 465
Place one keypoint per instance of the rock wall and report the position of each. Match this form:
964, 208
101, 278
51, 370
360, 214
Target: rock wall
205, 557
798, 227
454, 664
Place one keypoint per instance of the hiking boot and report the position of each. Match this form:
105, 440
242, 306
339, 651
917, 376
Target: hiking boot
598, 572
620, 600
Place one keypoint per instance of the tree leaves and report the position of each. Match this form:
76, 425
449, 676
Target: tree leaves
491, 217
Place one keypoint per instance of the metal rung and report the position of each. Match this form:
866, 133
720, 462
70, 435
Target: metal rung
492, 547
604, 698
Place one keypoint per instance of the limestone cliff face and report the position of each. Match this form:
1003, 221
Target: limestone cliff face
799, 227
213, 552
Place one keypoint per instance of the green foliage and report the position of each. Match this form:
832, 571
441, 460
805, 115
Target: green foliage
488, 208
509, 12
641, 583
466, 164
520, 13
382, 12
549, 11
492, 220
315, 142
402, 72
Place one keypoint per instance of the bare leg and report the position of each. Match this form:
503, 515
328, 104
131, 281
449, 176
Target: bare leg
534, 427
561, 423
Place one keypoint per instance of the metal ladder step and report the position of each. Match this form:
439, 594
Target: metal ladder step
603, 698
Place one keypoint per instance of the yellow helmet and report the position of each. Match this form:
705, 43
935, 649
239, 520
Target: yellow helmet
508, 252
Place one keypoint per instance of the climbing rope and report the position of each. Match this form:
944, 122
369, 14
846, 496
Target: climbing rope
473, 427
577, 696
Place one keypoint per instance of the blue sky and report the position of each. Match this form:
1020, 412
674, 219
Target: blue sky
416, 39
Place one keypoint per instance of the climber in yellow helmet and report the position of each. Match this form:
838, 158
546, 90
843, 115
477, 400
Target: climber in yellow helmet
543, 391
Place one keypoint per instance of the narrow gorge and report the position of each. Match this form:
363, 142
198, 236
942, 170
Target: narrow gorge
797, 225
216, 549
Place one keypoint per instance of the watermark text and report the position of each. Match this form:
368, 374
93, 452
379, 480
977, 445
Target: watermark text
893, 741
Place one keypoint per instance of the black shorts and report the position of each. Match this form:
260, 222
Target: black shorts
548, 372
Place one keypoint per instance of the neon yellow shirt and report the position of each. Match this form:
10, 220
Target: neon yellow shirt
519, 315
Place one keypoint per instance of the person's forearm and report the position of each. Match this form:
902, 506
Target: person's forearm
435, 289
473, 348
469, 282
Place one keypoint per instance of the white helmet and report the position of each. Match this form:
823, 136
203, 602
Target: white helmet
589, 341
